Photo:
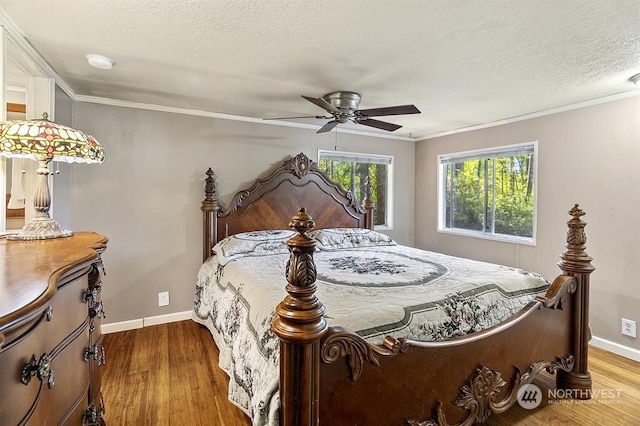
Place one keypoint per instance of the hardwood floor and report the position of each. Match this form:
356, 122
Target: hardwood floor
168, 375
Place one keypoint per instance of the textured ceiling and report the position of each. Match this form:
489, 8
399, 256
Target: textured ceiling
462, 63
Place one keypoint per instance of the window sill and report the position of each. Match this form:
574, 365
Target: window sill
501, 238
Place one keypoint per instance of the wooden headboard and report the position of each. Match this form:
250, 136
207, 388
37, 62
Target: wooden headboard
269, 203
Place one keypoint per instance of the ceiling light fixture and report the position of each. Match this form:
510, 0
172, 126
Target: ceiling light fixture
100, 62
635, 79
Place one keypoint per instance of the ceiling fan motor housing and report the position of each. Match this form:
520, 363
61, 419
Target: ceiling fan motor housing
343, 100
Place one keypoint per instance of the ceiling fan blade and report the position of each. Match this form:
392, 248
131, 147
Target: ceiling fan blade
328, 127
379, 124
394, 110
302, 116
322, 104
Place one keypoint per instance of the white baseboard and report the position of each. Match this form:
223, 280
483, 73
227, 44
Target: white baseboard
616, 348
115, 327
167, 318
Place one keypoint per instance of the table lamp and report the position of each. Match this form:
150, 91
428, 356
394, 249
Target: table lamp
44, 141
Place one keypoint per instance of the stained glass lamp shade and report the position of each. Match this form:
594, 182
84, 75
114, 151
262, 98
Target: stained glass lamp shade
43, 140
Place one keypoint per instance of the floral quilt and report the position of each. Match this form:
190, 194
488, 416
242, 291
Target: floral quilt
376, 290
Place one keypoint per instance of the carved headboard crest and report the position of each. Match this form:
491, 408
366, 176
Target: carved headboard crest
300, 165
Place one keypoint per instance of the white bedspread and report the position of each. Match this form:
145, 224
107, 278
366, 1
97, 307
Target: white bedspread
376, 291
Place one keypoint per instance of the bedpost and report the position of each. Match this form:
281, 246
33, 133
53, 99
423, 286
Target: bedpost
300, 324
210, 208
368, 205
577, 263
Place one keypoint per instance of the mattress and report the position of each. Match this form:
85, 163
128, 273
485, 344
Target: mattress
367, 283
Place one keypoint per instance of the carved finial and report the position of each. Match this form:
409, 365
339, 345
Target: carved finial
210, 210
301, 270
302, 222
368, 199
210, 192
300, 310
368, 204
576, 238
45, 116
576, 212
575, 258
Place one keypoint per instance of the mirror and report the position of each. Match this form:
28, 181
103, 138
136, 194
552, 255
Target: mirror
15, 176
26, 91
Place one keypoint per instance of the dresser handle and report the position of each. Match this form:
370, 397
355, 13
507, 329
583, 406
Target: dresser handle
93, 415
90, 295
104, 271
95, 353
40, 368
49, 313
97, 310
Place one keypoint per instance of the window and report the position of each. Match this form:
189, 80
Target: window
350, 170
490, 193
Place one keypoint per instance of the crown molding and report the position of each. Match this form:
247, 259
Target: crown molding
585, 104
201, 113
18, 38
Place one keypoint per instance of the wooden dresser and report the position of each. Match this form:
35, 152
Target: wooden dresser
50, 341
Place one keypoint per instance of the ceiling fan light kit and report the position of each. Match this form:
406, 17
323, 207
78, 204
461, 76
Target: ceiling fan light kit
343, 107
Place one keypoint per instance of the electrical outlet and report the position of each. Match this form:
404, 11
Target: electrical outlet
163, 298
628, 327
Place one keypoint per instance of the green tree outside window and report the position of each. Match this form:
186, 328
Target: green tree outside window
350, 171
490, 192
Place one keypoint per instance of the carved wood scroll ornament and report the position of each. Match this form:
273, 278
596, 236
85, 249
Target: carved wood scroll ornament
478, 396
343, 343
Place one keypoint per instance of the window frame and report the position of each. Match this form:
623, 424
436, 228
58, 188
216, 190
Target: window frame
388, 160
484, 153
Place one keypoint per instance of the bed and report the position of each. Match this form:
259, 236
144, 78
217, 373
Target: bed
319, 318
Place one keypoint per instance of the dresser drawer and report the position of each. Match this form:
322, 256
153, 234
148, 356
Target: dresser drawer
70, 310
70, 384
57, 320
54, 385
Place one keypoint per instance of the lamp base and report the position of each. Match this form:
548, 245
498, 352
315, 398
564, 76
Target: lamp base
40, 228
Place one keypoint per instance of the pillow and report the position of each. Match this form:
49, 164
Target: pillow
337, 238
255, 243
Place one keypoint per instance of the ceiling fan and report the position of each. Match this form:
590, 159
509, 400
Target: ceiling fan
343, 107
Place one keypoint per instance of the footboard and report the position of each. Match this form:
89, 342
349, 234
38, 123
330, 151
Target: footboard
457, 381
333, 376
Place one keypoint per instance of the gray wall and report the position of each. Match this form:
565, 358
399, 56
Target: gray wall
589, 156
146, 196
61, 186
